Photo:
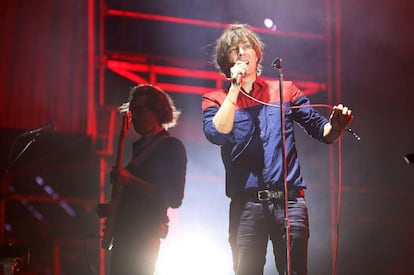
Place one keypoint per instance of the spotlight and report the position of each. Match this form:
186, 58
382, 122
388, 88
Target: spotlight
268, 23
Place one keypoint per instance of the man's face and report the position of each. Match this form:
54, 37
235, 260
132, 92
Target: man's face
245, 53
144, 119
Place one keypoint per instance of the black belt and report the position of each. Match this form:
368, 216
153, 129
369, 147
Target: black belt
268, 195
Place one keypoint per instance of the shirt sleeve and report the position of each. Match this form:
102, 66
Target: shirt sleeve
307, 117
210, 105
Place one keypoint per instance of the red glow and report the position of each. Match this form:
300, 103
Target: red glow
131, 71
91, 122
170, 19
102, 199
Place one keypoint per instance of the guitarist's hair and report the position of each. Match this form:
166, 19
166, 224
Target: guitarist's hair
158, 101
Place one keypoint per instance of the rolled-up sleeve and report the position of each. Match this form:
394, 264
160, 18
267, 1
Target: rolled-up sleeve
210, 104
310, 119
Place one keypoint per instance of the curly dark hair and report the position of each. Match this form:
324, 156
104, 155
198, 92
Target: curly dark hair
231, 37
158, 101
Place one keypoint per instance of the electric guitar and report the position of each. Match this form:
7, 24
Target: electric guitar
116, 192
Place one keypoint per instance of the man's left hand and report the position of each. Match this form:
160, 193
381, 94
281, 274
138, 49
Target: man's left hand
340, 117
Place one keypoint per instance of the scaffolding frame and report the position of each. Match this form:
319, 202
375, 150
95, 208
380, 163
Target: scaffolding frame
136, 68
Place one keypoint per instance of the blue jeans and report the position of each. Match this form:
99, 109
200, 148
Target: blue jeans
252, 224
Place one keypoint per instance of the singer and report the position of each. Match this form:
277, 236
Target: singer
248, 133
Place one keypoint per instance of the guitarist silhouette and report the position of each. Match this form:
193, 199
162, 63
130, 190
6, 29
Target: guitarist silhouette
152, 182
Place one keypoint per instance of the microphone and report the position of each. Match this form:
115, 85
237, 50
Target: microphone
239, 79
48, 127
241, 75
277, 63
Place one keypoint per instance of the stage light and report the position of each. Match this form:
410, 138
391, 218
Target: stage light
268, 23
192, 253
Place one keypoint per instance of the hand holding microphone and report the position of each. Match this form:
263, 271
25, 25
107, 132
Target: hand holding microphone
238, 72
239, 79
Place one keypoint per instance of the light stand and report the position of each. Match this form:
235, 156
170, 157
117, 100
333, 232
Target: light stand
277, 64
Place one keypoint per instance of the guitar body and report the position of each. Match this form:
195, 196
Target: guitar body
116, 192
107, 240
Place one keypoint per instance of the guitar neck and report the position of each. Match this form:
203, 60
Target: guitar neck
121, 141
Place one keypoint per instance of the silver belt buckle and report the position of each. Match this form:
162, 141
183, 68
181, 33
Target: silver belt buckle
264, 195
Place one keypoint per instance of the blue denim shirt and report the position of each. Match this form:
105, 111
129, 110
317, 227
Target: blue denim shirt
252, 151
